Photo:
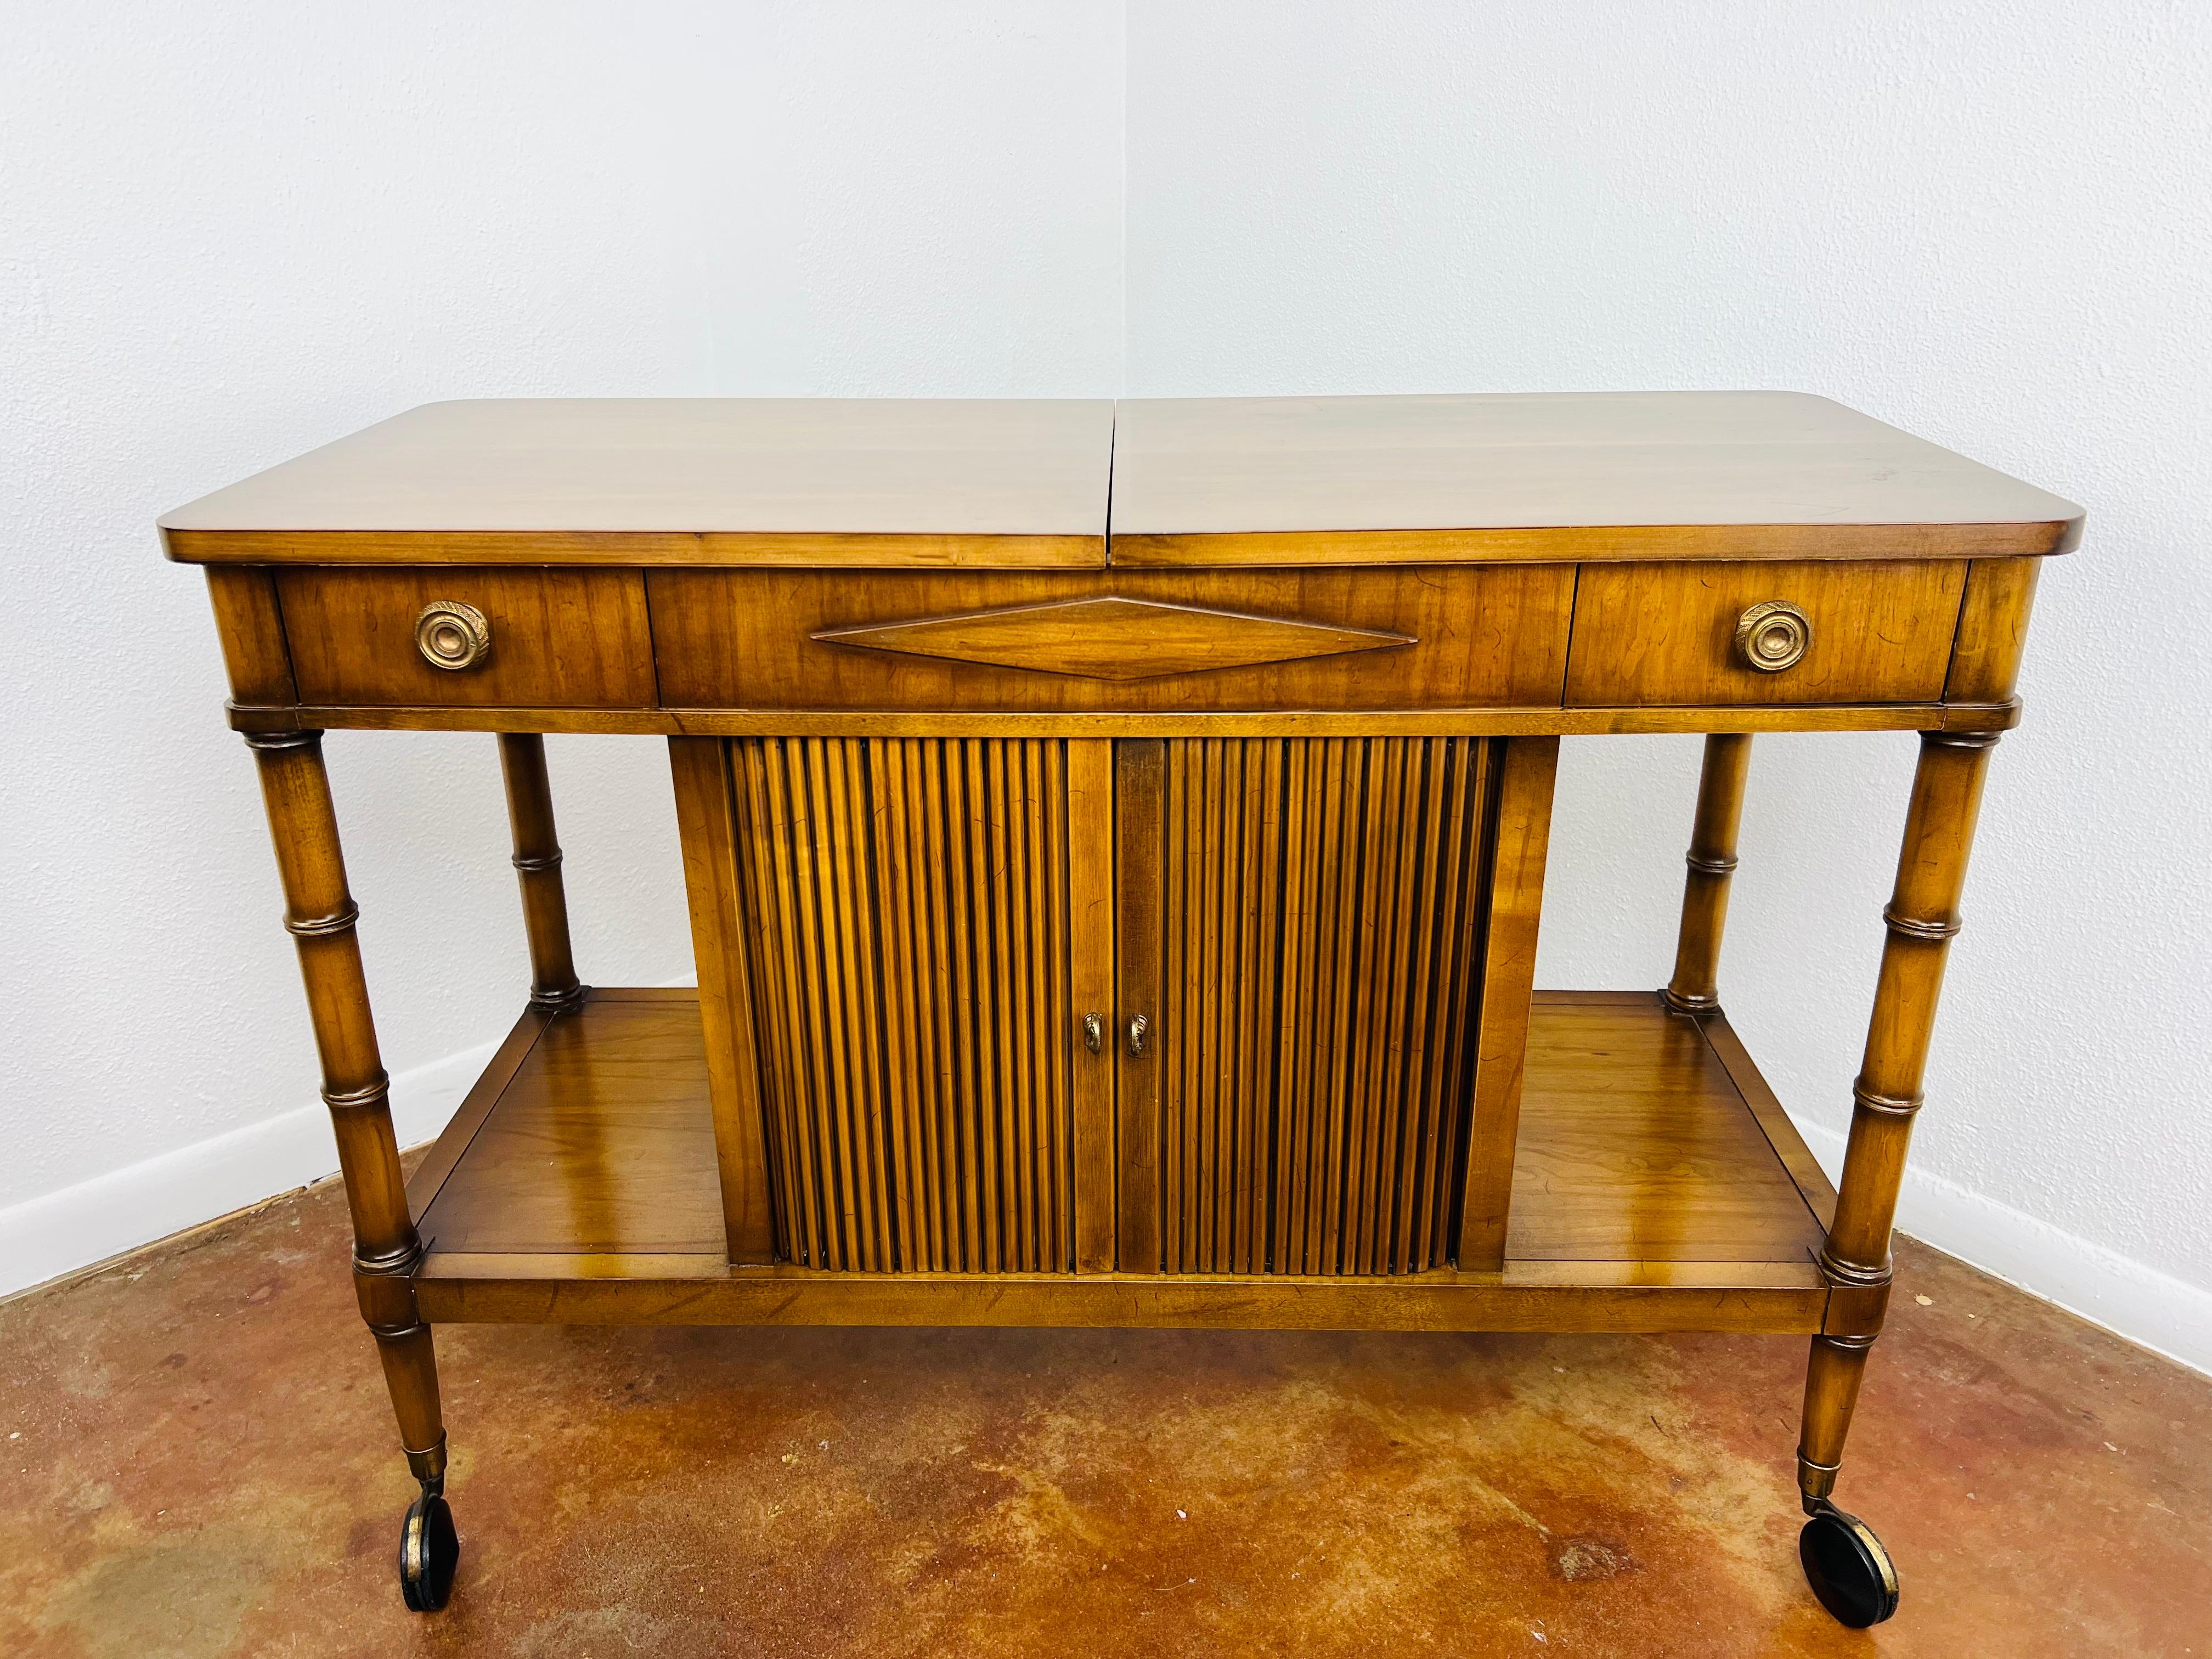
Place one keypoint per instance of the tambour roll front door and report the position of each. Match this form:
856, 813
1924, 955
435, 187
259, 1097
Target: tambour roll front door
1183, 1006
1320, 942
907, 911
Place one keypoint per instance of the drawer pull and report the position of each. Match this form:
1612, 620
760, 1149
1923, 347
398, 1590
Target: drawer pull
1094, 1032
1770, 637
452, 635
1137, 1026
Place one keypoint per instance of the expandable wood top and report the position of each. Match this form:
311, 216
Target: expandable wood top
689, 480
1562, 475
1196, 481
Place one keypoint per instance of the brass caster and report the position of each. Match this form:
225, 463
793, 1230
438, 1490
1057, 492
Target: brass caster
1847, 1566
429, 1550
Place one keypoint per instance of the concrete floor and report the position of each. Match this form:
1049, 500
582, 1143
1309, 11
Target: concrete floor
199, 1461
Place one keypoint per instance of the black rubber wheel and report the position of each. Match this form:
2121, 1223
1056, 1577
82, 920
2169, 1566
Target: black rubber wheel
1848, 1568
429, 1550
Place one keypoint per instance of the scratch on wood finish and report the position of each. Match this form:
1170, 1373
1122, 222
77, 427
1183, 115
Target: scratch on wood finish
251, 624
910, 911
1322, 959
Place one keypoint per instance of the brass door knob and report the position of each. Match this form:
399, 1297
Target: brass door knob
1771, 636
452, 635
1137, 1026
1094, 1032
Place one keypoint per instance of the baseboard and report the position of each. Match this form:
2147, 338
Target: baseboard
2153, 1309
60, 1233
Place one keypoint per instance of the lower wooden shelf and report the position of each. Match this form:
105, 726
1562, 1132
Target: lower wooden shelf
1658, 1186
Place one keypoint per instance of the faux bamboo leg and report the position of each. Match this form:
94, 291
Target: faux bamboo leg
1695, 987
1831, 1390
1922, 916
320, 912
553, 984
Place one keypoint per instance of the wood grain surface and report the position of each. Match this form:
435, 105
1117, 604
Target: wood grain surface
1665, 634
1513, 905
1491, 721
712, 834
885, 481
1552, 475
1428, 479
1112, 637
250, 624
767, 639
603, 1144
574, 638
1635, 1144
1645, 1166
1992, 630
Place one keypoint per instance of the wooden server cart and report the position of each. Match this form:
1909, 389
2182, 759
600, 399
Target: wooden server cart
1115, 841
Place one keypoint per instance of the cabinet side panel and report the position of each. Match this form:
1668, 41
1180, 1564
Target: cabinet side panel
1992, 630
1527, 768
705, 819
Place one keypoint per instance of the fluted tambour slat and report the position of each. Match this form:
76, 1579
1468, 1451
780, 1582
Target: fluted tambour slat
1321, 947
907, 904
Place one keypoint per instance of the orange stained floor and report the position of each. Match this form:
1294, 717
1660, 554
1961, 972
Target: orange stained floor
199, 1461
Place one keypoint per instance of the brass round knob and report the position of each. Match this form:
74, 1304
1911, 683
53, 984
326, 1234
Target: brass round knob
1771, 636
452, 636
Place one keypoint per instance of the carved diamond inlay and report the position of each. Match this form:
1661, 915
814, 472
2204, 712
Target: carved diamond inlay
1113, 638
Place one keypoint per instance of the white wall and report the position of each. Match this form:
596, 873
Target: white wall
230, 233
1988, 222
